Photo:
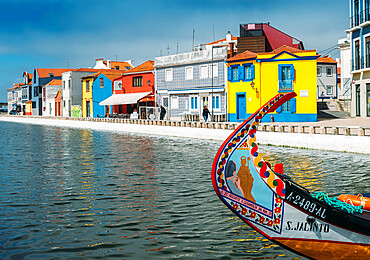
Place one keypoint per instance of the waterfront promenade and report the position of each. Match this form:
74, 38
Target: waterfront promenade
343, 135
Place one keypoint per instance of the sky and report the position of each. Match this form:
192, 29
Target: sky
73, 33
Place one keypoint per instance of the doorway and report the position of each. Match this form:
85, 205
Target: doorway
87, 108
358, 99
240, 106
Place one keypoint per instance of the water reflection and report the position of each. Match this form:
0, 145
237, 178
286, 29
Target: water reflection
70, 193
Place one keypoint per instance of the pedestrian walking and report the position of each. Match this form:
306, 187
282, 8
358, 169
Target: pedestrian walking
162, 113
205, 113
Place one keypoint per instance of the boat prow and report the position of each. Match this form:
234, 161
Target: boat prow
279, 209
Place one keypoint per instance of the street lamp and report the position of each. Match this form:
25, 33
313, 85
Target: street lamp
215, 46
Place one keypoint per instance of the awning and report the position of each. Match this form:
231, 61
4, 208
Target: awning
123, 99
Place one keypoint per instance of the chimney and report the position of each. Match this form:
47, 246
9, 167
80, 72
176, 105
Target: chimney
99, 64
228, 37
231, 51
129, 62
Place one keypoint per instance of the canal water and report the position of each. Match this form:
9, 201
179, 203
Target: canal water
71, 193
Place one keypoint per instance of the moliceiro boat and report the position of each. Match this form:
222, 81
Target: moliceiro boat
312, 225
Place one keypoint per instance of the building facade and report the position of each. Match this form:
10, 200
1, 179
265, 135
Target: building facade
254, 78
327, 78
15, 98
187, 82
96, 88
49, 91
359, 37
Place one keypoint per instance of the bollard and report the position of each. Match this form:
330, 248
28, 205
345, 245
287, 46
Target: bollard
335, 130
311, 129
347, 131
361, 132
323, 130
281, 129
301, 129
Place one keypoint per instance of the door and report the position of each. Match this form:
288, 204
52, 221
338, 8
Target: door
87, 108
203, 102
240, 107
358, 98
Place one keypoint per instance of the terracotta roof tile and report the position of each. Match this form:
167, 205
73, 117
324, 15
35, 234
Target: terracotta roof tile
326, 59
45, 73
146, 66
288, 49
55, 82
243, 56
234, 38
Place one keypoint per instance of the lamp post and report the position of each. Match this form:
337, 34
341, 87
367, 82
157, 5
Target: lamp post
214, 46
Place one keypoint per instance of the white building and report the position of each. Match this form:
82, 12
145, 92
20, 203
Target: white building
49, 92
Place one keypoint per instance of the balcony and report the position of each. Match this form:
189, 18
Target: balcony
360, 18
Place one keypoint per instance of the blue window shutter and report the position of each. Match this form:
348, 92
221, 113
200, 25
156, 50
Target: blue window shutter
229, 74
292, 72
241, 72
196, 102
217, 102
280, 72
278, 110
293, 107
252, 72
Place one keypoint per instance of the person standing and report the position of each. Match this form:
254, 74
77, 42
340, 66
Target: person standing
205, 113
162, 113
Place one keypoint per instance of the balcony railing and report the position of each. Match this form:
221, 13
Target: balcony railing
361, 63
360, 18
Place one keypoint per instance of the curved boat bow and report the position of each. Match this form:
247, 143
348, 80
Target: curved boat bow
279, 209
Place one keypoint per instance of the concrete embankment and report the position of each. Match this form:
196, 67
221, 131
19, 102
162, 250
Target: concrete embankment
298, 136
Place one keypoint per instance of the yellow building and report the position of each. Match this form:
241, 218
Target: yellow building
254, 78
87, 97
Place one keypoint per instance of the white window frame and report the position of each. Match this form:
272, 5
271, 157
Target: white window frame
197, 103
219, 102
332, 71
331, 88
204, 74
189, 73
168, 75
174, 102
215, 70
116, 85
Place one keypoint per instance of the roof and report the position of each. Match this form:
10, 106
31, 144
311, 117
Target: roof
326, 59
15, 86
233, 38
109, 73
146, 66
288, 49
243, 56
55, 82
46, 73
123, 65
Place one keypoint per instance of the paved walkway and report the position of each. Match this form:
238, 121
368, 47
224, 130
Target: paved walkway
356, 121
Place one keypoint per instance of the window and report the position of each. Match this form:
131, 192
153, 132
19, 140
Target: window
319, 71
168, 75
286, 77
234, 73
203, 73
329, 71
165, 101
188, 73
287, 107
87, 85
215, 70
329, 90
193, 102
63, 84
137, 81
174, 102
117, 85
102, 82
367, 52
216, 102
246, 72
357, 55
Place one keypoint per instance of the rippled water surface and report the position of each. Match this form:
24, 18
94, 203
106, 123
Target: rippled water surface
72, 193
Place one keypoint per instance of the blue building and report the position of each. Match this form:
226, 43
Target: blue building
102, 88
359, 35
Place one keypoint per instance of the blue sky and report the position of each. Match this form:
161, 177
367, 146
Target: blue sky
52, 33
